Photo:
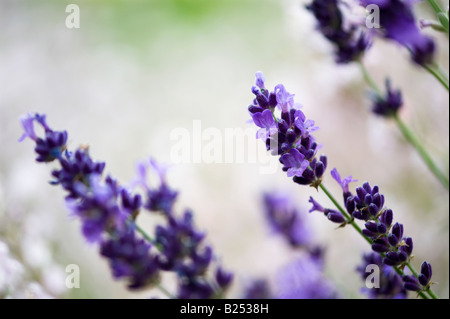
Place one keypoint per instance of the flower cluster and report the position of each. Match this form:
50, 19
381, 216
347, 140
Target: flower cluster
386, 238
108, 211
422, 282
303, 278
349, 42
289, 135
180, 243
399, 24
389, 104
390, 284
286, 220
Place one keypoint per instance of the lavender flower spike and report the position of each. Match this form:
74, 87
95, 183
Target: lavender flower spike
391, 285
288, 135
48, 148
389, 104
350, 42
398, 23
286, 220
389, 241
108, 211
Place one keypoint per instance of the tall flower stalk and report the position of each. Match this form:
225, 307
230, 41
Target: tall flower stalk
387, 105
108, 213
398, 24
289, 137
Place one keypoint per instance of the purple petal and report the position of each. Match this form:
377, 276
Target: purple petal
260, 79
284, 98
28, 127
264, 119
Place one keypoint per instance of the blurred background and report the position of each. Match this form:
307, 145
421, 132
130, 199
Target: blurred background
136, 70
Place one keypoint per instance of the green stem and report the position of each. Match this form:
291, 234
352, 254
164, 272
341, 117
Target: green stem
438, 74
441, 14
369, 79
144, 234
407, 133
165, 291
150, 239
432, 294
435, 6
418, 146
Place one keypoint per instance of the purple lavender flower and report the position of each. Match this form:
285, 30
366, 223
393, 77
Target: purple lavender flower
350, 43
390, 283
294, 162
76, 167
223, 278
260, 79
303, 279
49, 148
130, 258
257, 289
267, 125
180, 244
399, 24
28, 127
107, 212
96, 206
305, 127
422, 282
386, 239
286, 220
285, 100
331, 214
162, 198
389, 104
342, 182
288, 136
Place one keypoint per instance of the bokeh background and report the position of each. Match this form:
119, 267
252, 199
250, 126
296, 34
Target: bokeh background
136, 70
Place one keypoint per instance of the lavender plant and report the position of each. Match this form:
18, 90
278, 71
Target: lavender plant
391, 285
398, 23
298, 156
303, 278
108, 213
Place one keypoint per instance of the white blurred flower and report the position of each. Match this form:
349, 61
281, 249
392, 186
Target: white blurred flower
35, 251
13, 279
54, 280
11, 271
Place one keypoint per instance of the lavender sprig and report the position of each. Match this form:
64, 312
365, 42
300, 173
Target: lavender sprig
387, 106
399, 24
286, 220
390, 282
351, 42
289, 135
108, 212
386, 238
367, 205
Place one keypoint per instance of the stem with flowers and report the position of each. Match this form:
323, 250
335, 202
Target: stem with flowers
407, 133
290, 137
